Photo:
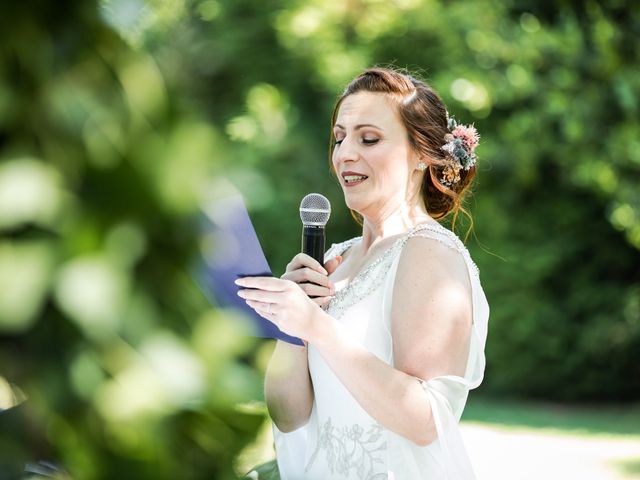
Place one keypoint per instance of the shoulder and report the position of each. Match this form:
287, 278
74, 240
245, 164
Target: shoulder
431, 312
433, 259
432, 282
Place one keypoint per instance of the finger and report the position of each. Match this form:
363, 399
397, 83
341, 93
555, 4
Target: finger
333, 264
302, 260
265, 296
263, 283
262, 306
322, 301
316, 290
307, 275
262, 309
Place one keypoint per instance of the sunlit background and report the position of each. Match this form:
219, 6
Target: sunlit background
120, 119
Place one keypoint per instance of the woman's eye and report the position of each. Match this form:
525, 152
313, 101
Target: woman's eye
366, 141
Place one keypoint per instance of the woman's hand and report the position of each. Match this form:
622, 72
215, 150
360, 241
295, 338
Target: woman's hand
282, 302
312, 277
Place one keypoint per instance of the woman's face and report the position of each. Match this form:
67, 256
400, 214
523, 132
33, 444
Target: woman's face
371, 141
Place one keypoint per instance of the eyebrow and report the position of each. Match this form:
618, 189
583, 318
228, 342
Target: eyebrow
357, 127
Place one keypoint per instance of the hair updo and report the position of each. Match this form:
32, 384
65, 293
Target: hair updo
424, 116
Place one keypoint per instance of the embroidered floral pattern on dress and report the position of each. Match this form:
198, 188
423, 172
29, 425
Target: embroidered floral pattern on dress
351, 448
354, 292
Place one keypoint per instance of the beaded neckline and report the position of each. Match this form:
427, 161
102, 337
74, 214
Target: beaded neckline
351, 294
344, 246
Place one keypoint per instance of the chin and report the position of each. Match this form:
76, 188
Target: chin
351, 205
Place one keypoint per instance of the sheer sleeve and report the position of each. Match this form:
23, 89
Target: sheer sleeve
447, 394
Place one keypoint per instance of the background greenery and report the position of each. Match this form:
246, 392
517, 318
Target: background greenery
119, 119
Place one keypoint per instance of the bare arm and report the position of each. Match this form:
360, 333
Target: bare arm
431, 325
288, 387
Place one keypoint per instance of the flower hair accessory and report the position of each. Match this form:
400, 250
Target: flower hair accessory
462, 141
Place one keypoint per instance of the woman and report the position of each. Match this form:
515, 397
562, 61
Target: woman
396, 330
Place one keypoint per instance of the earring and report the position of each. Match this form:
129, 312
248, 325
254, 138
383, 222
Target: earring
422, 166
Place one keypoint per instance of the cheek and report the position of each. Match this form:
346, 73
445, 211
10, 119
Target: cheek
390, 163
393, 169
334, 160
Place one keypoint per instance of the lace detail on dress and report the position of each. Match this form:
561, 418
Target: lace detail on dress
354, 292
349, 448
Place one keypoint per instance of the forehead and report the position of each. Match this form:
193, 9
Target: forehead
368, 107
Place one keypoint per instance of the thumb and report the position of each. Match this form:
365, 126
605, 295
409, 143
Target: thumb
332, 264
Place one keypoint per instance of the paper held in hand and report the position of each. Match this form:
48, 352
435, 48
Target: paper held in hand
230, 249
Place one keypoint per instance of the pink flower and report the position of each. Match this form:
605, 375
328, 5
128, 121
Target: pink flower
469, 136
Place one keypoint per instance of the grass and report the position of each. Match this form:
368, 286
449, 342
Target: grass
629, 467
570, 419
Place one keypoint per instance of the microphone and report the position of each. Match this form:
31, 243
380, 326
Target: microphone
315, 211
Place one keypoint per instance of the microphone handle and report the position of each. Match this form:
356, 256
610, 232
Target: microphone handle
313, 242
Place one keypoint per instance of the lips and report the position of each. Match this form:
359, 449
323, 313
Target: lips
353, 178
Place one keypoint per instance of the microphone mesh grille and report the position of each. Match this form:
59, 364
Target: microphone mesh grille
315, 209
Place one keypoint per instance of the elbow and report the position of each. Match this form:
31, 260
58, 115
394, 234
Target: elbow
424, 438
290, 425
288, 417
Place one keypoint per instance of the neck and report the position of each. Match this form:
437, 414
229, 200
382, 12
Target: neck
398, 221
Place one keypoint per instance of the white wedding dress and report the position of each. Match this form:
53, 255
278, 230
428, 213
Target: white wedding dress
340, 440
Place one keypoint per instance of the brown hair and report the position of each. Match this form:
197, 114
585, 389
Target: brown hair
424, 116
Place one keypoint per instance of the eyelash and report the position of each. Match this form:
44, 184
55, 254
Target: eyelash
364, 140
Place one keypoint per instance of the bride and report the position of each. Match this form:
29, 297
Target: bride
395, 322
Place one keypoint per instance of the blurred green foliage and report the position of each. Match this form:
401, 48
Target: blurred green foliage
119, 118
126, 368
553, 90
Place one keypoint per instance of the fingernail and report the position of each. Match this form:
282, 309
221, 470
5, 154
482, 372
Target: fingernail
238, 281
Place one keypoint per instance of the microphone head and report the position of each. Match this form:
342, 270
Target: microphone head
315, 210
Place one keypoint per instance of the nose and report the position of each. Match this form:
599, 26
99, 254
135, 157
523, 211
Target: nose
347, 151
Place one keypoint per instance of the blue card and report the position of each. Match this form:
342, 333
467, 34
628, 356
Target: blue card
231, 250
